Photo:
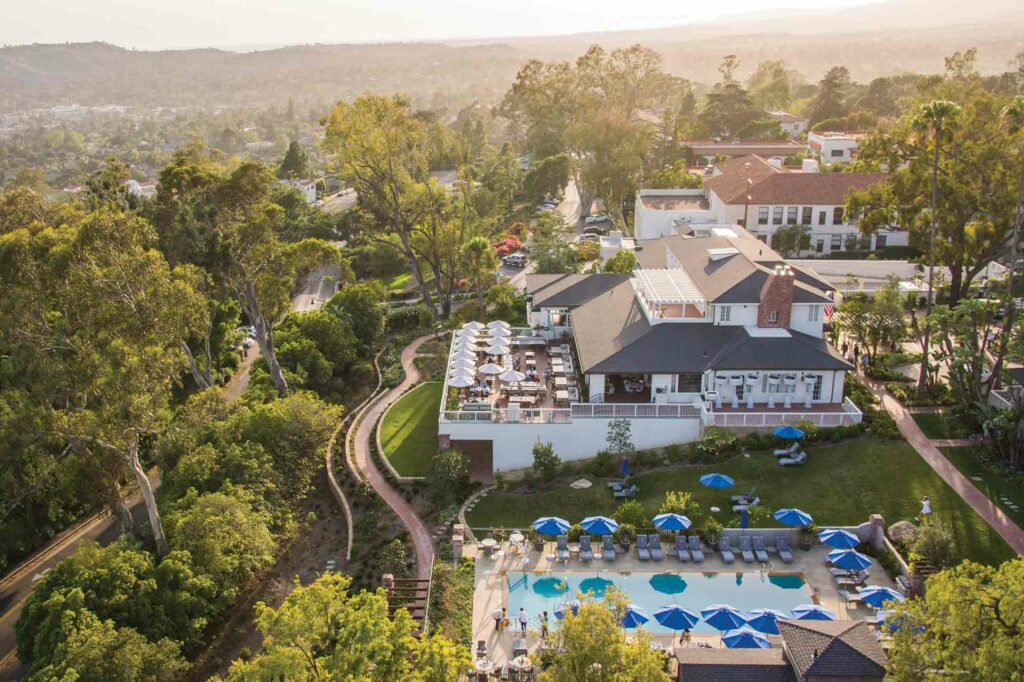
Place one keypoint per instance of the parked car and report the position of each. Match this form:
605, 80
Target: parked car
595, 219
588, 238
515, 260
596, 230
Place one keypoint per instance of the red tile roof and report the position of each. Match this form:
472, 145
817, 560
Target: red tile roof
771, 185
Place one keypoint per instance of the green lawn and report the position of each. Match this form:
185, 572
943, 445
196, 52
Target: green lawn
840, 484
408, 432
940, 425
995, 483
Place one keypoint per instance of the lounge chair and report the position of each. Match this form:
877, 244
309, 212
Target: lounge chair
744, 499
625, 493
695, 550
586, 553
791, 450
782, 545
656, 553
760, 553
797, 459
851, 597
641, 548
608, 548
615, 485
726, 551
844, 573
737, 508
746, 550
481, 648
681, 552
562, 547
851, 580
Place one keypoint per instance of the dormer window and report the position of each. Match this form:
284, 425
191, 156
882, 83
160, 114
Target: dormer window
725, 313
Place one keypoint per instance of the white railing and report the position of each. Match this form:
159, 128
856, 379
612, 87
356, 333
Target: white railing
1000, 399
848, 416
638, 410
577, 411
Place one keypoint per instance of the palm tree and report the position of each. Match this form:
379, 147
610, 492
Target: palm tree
935, 120
479, 264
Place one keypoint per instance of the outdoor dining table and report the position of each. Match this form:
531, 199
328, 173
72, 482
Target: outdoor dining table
558, 371
516, 537
560, 382
484, 666
562, 395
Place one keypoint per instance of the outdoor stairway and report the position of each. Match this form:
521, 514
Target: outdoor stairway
409, 594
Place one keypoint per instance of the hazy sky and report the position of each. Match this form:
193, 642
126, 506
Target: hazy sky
152, 24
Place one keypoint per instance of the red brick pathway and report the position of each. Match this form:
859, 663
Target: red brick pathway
424, 547
985, 507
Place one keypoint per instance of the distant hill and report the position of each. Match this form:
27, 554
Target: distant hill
871, 40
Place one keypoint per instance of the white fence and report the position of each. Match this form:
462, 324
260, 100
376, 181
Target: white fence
577, 411
849, 416
1000, 399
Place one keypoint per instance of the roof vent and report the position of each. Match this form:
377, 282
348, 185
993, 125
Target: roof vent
721, 254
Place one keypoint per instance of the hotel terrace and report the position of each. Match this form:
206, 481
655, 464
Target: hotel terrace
706, 331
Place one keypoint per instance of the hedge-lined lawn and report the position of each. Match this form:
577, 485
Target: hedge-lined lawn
994, 482
408, 433
940, 425
840, 484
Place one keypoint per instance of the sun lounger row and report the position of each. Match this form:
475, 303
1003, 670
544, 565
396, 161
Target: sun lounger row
648, 547
752, 548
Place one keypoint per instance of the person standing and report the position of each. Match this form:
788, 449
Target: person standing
522, 620
845, 348
544, 625
926, 507
498, 615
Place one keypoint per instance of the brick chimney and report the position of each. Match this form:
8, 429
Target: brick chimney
776, 299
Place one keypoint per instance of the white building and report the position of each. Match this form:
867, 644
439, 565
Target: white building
306, 187
614, 242
834, 147
707, 331
791, 125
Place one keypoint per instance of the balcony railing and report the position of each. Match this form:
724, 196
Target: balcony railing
848, 416
578, 411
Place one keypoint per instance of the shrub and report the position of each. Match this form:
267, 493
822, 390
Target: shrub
448, 478
631, 512
710, 530
620, 437
626, 531
678, 502
545, 461
575, 532
409, 318
393, 559
717, 441
933, 543
507, 245
674, 453
603, 464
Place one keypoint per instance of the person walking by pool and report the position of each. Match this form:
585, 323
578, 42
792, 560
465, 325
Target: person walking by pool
498, 616
522, 620
544, 625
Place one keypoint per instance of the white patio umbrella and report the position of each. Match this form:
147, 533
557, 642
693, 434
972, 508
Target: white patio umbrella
462, 363
498, 323
497, 349
473, 325
461, 382
499, 333
464, 354
511, 376
466, 333
462, 373
491, 368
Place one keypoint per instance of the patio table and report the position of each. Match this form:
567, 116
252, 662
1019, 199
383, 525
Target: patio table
562, 395
560, 382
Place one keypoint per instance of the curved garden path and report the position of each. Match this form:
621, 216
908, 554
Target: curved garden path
361, 459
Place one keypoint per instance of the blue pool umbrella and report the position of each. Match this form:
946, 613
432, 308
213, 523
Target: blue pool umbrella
597, 586
793, 517
765, 620
551, 525
675, 617
599, 525
876, 595
671, 521
625, 468
850, 559
839, 538
633, 617
716, 481
812, 612
563, 610
723, 617
745, 638
788, 432
668, 583
550, 587
744, 517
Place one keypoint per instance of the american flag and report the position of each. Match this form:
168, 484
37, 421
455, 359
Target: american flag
829, 309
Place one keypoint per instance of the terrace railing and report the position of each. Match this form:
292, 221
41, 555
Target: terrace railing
577, 411
1000, 399
847, 416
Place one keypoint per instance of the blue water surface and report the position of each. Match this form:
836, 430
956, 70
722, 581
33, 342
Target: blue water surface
538, 592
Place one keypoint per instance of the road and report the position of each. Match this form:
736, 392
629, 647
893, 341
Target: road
570, 210
17, 586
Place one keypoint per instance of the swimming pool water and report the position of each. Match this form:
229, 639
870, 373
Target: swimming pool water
538, 592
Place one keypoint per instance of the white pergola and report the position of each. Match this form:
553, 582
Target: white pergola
659, 288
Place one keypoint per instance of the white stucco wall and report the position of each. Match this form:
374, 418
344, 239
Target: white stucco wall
740, 314
580, 439
651, 223
799, 319
595, 386
831, 387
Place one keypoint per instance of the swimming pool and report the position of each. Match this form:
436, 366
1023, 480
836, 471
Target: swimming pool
538, 592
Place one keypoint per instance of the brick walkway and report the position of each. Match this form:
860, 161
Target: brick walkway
424, 547
985, 507
954, 442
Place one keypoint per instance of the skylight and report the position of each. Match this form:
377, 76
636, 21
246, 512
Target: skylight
720, 254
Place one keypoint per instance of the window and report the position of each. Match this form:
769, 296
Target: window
836, 152
725, 313
763, 238
762, 215
837, 242
837, 215
686, 383
779, 386
816, 392
791, 215
819, 246
813, 313
776, 215
822, 217
879, 242
805, 219
773, 317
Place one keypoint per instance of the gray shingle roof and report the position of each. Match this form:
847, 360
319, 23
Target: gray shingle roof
729, 665
1017, 374
569, 290
833, 649
613, 335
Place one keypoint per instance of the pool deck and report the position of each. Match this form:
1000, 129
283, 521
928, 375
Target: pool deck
491, 590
